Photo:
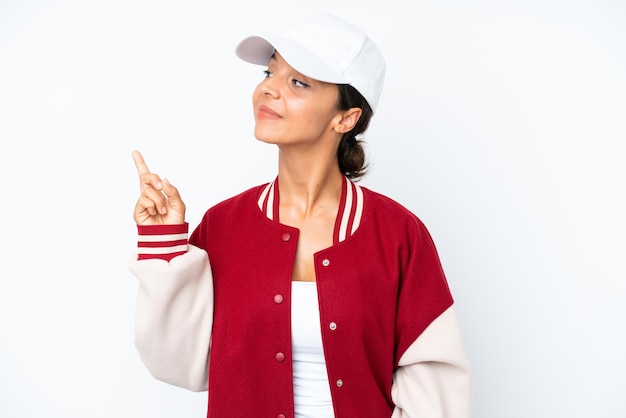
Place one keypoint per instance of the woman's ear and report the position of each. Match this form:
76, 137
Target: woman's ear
347, 120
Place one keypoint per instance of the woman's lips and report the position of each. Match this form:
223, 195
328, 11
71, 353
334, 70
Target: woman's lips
266, 112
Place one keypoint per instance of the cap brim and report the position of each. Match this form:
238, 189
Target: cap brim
259, 49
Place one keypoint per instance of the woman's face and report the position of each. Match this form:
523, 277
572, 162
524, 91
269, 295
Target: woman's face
292, 109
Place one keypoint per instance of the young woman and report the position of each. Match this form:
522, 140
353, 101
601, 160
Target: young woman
308, 296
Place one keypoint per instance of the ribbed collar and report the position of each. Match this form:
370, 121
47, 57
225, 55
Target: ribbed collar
348, 216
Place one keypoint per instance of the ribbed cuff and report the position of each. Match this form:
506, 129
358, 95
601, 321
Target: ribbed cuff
163, 242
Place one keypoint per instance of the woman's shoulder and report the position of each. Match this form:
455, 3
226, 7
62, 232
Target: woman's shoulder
382, 202
384, 207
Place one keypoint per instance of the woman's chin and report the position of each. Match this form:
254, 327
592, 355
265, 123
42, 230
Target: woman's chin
265, 139
263, 136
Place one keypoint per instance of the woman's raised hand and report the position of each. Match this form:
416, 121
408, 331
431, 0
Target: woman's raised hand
159, 203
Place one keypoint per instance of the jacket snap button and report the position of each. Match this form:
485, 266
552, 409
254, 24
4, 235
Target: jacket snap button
332, 326
286, 236
339, 383
280, 357
278, 299
326, 262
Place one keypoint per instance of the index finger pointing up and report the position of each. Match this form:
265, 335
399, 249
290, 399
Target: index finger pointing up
142, 168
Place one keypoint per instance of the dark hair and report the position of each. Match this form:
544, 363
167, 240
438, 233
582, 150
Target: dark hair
350, 153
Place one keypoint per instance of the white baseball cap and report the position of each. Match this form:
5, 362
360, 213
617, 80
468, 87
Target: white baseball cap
327, 49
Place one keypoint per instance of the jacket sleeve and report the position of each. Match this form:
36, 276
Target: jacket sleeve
432, 378
433, 375
174, 307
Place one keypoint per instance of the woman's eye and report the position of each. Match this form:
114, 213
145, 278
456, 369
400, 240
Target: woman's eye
299, 83
267, 73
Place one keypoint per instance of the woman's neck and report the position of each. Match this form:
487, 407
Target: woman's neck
308, 185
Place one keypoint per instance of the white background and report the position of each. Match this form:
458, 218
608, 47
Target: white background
501, 126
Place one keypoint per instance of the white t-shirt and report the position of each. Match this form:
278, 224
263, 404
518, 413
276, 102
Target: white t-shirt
310, 380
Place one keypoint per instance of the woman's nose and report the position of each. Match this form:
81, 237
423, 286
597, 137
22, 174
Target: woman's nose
270, 87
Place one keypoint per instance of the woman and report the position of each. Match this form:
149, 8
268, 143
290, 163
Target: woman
308, 296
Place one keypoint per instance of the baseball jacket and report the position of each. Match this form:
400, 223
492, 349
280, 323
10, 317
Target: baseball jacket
213, 311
